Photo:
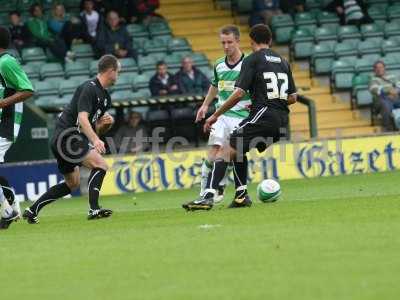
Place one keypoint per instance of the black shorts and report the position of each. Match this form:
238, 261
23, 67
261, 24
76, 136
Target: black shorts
260, 130
70, 149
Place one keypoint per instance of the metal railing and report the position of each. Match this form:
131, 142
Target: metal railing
312, 114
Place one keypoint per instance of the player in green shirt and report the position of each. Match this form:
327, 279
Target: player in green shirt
226, 71
16, 89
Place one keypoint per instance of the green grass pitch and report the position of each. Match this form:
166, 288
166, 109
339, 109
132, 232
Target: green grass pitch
328, 238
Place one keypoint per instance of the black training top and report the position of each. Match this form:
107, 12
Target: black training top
90, 97
268, 78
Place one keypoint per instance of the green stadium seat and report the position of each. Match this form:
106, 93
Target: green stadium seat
305, 18
360, 93
142, 93
138, 42
63, 101
159, 28
7, 6
45, 101
369, 46
142, 81
146, 63
393, 12
322, 58
392, 29
324, 34
312, 4
93, 69
390, 46
302, 43
51, 70
342, 73
282, 26
82, 51
68, 86
346, 49
324, 17
199, 59
33, 54
155, 46
124, 82
122, 96
364, 65
243, 6
128, 65
71, 3
137, 30
377, 11
76, 68
178, 44
348, 32
32, 70
371, 30
392, 61
208, 71
46, 88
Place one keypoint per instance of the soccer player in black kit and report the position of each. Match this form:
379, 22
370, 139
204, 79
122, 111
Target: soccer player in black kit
76, 140
268, 79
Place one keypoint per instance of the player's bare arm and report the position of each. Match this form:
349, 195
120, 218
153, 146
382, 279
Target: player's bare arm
211, 95
16, 98
86, 128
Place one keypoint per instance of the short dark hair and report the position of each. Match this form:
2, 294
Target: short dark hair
4, 37
107, 62
261, 34
33, 7
160, 63
379, 62
231, 29
14, 12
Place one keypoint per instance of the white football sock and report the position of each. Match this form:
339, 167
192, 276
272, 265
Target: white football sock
205, 170
6, 209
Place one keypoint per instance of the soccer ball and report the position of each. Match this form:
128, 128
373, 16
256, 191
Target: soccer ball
268, 190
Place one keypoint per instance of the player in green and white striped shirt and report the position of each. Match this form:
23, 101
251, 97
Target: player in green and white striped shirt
226, 71
16, 89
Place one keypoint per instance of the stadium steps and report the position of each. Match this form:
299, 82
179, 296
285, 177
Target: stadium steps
337, 132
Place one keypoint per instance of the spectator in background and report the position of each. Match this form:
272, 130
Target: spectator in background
190, 79
91, 21
291, 6
99, 6
42, 37
163, 83
129, 137
350, 12
20, 35
113, 38
141, 11
385, 89
263, 11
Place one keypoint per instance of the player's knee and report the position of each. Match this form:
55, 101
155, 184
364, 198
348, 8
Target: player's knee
73, 183
101, 165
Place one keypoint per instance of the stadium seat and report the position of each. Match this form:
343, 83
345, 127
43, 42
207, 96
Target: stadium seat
371, 30
149, 62
46, 88
208, 71
93, 69
128, 65
282, 26
173, 60
377, 12
364, 65
178, 44
393, 12
33, 54
142, 81
124, 82
62, 101
324, 34
324, 17
32, 70
390, 46
159, 28
138, 42
45, 101
51, 70
155, 45
82, 51
369, 46
348, 32
121, 96
305, 18
137, 30
77, 68
199, 59
322, 58
302, 43
392, 61
347, 48
360, 93
68, 86
392, 29
243, 6
342, 73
